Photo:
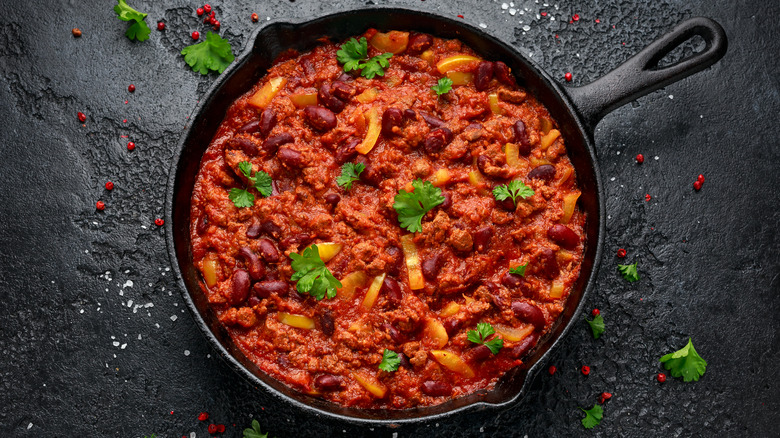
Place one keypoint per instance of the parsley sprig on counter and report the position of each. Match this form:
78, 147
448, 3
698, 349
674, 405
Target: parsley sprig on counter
519, 270
313, 277
629, 272
596, 326
138, 30
685, 363
212, 54
390, 361
443, 86
593, 416
512, 190
412, 206
482, 333
354, 55
350, 172
255, 431
261, 181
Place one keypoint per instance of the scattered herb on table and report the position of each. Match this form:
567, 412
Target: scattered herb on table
685, 362
596, 326
350, 172
512, 190
629, 272
313, 277
390, 361
255, 431
443, 86
412, 206
212, 54
138, 30
354, 55
261, 181
519, 270
592, 416
482, 333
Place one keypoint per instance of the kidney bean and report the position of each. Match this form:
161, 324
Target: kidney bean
409, 114
418, 43
404, 360
392, 290
369, 175
342, 90
437, 139
333, 103
248, 146
327, 325
564, 236
395, 335
271, 228
547, 264
290, 157
482, 238
390, 118
203, 224
344, 77
320, 118
327, 382
430, 267
434, 122
452, 326
500, 301
521, 137
483, 75
271, 144
267, 121
447, 200
522, 348
252, 301
268, 251
252, 263
332, 198
529, 313
436, 389
301, 238
239, 287
346, 152
503, 73
397, 260
544, 172
265, 289
482, 163
253, 231
507, 204
479, 353
251, 127
511, 281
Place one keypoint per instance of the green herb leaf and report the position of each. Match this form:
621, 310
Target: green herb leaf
443, 86
213, 54
313, 277
375, 66
350, 172
390, 361
512, 190
495, 345
138, 30
241, 198
261, 181
412, 206
629, 272
592, 416
685, 362
596, 326
519, 270
352, 52
480, 335
255, 431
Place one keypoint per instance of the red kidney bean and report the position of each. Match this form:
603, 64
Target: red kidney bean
432, 121
404, 361
503, 73
500, 301
268, 250
397, 260
308, 67
344, 77
437, 139
479, 353
369, 175
348, 151
390, 118
447, 200
482, 238
267, 121
203, 224
511, 281
327, 382
248, 146
252, 301
395, 335
392, 290
409, 114
265, 289
327, 99
239, 287
290, 157
521, 137
342, 90
482, 163
529, 313
271, 144
435, 388
327, 325
418, 43
430, 267
483, 75
564, 236
452, 326
548, 264
253, 231
507, 204
301, 238
320, 118
544, 172
252, 263
271, 228
251, 127
524, 346
332, 198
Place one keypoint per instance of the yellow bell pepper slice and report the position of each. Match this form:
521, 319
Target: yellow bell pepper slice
267, 92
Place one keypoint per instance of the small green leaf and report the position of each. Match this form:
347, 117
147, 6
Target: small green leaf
512, 190
350, 172
313, 277
390, 361
482, 333
596, 326
593, 416
412, 206
375, 66
629, 272
685, 363
138, 29
213, 54
255, 431
241, 197
443, 86
519, 270
352, 52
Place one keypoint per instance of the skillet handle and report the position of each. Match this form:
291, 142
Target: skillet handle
641, 75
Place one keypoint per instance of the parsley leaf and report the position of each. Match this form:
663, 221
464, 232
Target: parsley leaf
629, 272
350, 172
375, 66
241, 198
352, 52
685, 362
412, 206
512, 190
255, 431
261, 181
214, 53
480, 335
390, 361
444, 86
596, 326
138, 30
313, 277
519, 270
592, 416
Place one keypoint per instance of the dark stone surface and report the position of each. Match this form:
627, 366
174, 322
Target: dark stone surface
85, 354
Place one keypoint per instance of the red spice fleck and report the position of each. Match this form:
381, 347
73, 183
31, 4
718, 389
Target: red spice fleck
556, 36
212, 429
216, 25
76, 32
195, 35
460, 16
131, 88
212, 14
648, 197
159, 222
100, 205
661, 377
543, 14
254, 18
604, 397
160, 26
109, 185
199, 11
203, 416
171, 412
220, 428
207, 8
596, 312
130, 145
82, 117
124, 120
552, 369
598, 21
567, 76
697, 185
126, 101
640, 158
576, 17
700, 178
621, 253
585, 370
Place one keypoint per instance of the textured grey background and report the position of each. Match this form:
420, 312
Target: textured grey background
84, 353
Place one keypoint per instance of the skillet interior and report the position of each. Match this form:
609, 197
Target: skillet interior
266, 44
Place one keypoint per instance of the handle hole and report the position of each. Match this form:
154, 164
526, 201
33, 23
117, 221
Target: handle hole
684, 50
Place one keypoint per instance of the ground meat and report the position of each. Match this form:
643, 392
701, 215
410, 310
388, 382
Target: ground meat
460, 240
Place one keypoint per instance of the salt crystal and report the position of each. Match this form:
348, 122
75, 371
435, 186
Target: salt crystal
174, 317
29, 426
128, 283
483, 25
657, 157
123, 346
671, 96
186, 352
526, 28
512, 11
115, 343
129, 303
504, 6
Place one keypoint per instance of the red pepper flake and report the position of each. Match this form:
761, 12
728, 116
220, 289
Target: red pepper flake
131, 88
199, 11
640, 158
212, 429
216, 25
585, 370
126, 101
700, 178
203, 416
82, 117
661, 377
130, 145
220, 428
552, 369
100, 205
207, 8
621, 253
76, 32
171, 412
109, 185
543, 14
596, 312
195, 35
160, 26
124, 120
255, 18
648, 197
604, 397
576, 17
556, 36
159, 222
697, 185
598, 21
460, 16
567, 76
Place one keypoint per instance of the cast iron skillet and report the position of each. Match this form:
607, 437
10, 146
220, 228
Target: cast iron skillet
577, 111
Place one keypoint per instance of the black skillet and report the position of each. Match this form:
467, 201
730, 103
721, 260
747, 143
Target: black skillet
577, 110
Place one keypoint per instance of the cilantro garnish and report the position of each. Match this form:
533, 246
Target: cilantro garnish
313, 277
443, 86
480, 335
214, 53
354, 55
255, 431
596, 326
350, 172
412, 206
629, 272
138, 30
592, 416
261, 181
390, 361
519, 270
685, 362
512, 190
